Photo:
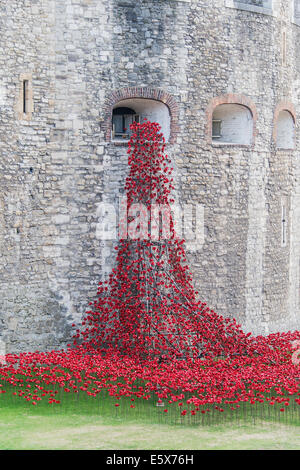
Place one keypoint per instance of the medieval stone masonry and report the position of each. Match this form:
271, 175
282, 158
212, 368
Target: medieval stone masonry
223, 79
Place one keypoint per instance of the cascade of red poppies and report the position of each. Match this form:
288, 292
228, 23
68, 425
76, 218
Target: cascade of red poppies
148, 307
147, 316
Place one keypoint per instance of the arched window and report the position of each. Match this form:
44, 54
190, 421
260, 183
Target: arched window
127, 111
285, 133
232, 124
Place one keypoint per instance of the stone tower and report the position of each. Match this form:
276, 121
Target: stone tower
223, 79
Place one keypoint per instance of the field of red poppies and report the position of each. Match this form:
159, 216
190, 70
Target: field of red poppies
178, 391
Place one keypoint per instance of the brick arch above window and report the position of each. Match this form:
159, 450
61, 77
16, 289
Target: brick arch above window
230, 98
119, 95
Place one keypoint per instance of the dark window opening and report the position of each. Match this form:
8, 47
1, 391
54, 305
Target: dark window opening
25, 96
283, 226
122, 118
216, 129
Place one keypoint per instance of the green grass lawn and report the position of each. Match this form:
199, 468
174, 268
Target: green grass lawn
22, 429
79, 423
87, 423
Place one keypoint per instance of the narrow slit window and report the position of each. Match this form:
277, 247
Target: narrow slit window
25, 96
283, 226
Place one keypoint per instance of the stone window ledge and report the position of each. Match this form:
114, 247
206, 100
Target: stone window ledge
251, 8
123, 143
230, 144
119, 142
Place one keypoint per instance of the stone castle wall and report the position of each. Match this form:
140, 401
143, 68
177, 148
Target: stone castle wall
58, 161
